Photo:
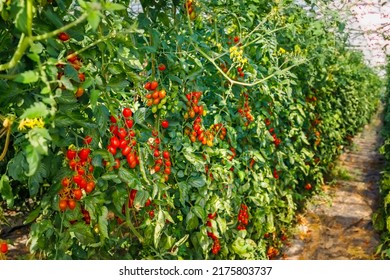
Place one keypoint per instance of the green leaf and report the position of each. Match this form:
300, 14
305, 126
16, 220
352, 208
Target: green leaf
140, 115
27, 77
36, 48
33, 159
113, 6
199, 211
183, 190
103, 222
83, 233
37, 110
6, 191
21, 17
34, 214
93, 19
168, 217
71, 73
192, 221
160, 223
129, 178
38, 138
196, 182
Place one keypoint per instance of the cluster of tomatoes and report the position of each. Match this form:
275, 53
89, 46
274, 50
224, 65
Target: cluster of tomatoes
245, 112
189, 6
155, 98
75, 61
216, 129
194, 109
206, 137
162, 161
72, 188
124, 139
243, 217
216, 245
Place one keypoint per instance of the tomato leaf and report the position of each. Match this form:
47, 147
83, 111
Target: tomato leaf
6, 191
129, 178
102, 222
199, 211
83, 233
160, 223
192, 221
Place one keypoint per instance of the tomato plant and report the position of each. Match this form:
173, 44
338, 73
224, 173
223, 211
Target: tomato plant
189, 130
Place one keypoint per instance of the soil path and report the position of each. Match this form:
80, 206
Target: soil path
337, 225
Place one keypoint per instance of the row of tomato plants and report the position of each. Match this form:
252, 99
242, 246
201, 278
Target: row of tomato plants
187, 130
381, 218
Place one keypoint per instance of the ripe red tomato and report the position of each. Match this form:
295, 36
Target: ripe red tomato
153, 85
126, 150
81, 77
4, 248
77, 193
151, 214
111, 150
157, 168
166, 154
129, 123
147, 85
63, 204
148, 202
71, 154
65, 182
127, 113
162, 67
167, 170
117, 163
308, 186
165, 124
90, 186
87, 140
156, 153
113, 119
84, 153
63, 36
79, 92
114, 142
122, 133
71, 204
